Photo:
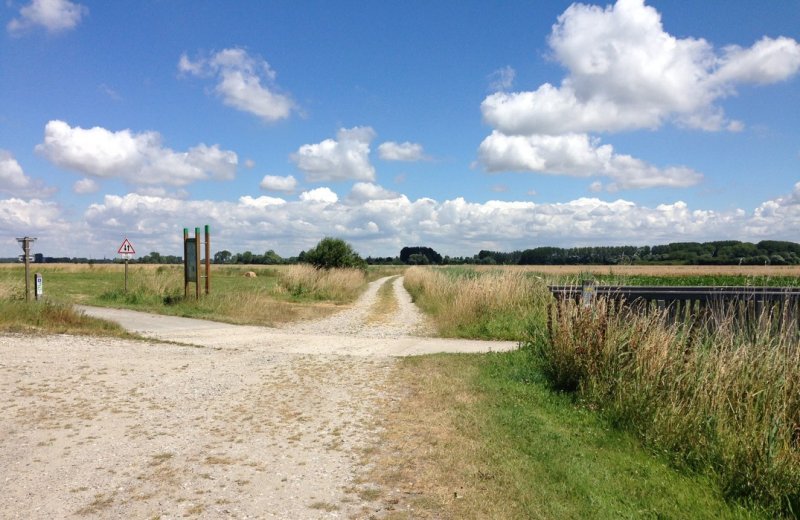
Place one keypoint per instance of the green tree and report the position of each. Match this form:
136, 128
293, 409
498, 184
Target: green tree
222, 257
418, 259
333, 252
271, 257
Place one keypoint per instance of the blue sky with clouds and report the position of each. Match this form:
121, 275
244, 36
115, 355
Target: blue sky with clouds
458, 125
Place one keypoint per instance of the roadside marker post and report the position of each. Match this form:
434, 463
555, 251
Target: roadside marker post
38, 285
26, 248
126, 250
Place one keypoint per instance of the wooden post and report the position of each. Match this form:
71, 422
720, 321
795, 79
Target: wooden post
26, 251
197, 262
208, 259
185, 263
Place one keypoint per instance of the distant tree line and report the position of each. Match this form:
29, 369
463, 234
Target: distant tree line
248, 257
724, 252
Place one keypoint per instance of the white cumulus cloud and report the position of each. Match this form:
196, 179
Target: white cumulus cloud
14, 181
406, 151
37, 218
244, 82
364, 191
323, 195
345, 158
138, 158
383, 225
580, 156
11, 175
624, 72
53, 15
277, 183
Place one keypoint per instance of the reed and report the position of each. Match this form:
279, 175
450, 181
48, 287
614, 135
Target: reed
489, 304
724, 399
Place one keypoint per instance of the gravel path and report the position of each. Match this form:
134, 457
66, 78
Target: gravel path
250, 423
407, 321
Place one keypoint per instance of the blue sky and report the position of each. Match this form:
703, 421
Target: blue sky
457, 125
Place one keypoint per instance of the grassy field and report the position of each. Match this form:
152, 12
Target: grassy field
276, 294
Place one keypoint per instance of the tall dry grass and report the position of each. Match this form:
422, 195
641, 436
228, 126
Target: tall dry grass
237, 299
490, 304
725, 399
339, 285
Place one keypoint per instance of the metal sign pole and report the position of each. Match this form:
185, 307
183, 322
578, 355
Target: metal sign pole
126, 250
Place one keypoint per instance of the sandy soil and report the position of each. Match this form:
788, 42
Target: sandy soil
249, 422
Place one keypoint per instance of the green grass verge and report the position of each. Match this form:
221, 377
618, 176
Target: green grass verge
54, 318
533, 453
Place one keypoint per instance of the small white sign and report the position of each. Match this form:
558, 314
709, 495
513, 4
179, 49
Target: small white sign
126, 248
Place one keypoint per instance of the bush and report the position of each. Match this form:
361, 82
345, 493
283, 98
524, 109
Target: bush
332, 253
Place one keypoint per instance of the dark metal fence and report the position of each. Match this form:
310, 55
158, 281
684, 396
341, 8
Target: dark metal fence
745, 304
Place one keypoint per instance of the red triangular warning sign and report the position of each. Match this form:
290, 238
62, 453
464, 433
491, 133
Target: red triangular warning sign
126, 248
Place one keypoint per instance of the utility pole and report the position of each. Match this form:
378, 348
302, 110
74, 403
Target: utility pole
26, 248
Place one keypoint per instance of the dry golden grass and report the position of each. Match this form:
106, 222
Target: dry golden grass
339, 285
489, 303
428, 467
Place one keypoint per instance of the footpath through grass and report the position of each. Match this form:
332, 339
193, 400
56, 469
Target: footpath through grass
484, 437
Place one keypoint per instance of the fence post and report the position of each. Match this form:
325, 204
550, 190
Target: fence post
587, 293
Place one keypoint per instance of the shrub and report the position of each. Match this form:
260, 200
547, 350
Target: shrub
332, 253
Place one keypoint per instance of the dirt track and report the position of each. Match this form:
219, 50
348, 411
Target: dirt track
249, 423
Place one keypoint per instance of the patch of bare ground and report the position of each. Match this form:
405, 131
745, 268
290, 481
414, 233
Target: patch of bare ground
241, 426
96, 427
425, 466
